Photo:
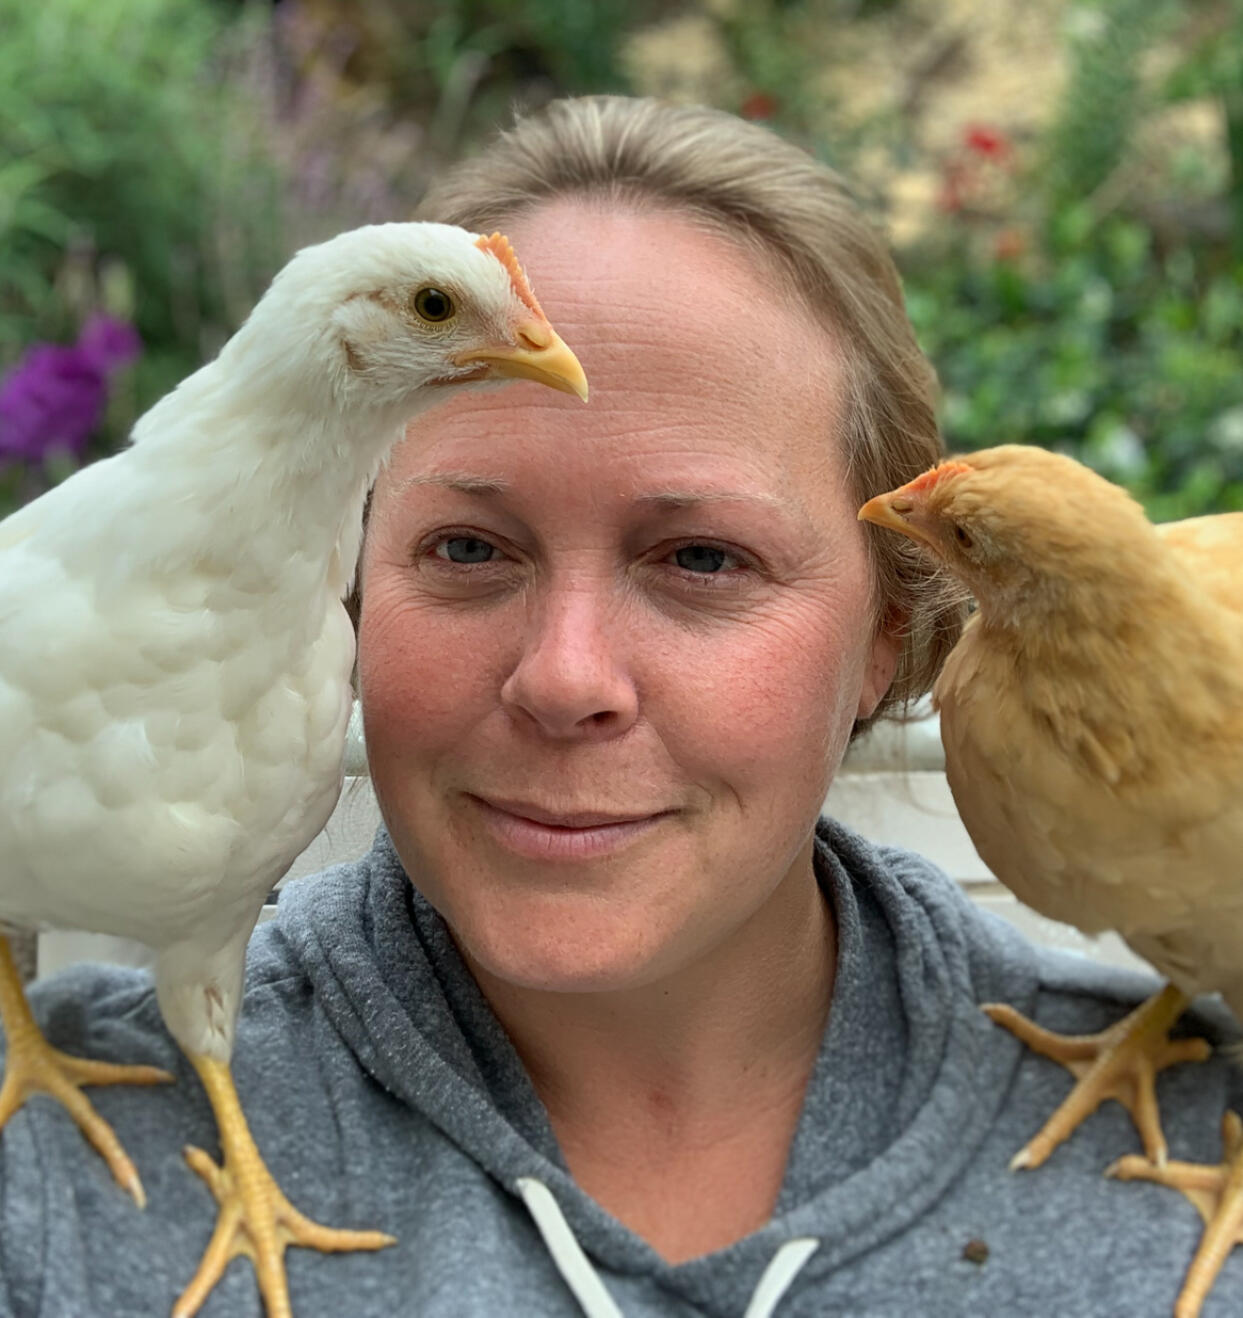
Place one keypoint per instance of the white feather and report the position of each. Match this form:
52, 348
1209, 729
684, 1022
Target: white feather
174, 655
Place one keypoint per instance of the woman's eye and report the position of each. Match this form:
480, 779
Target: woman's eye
704, 559
465, 549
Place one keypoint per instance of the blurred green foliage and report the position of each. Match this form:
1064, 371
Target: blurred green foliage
1101, 345
161, 158
1106, 318
1105, 97
565, 42
458, 67
120, 164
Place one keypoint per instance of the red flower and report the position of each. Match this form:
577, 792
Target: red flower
991, 143
759, 105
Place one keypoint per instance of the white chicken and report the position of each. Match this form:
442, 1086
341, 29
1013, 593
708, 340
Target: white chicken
175, 660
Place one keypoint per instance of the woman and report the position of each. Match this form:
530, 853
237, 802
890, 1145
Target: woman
605, 1022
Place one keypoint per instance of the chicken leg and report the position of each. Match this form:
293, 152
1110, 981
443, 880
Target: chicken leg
1121, 1062
1217, 1193
255, 1218
33, 1066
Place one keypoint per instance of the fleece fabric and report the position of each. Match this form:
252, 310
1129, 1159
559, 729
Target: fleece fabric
384, 1094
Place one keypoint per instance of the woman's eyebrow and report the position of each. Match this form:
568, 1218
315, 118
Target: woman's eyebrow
786, 509
674, 500
462, 482
780, 510
662, 501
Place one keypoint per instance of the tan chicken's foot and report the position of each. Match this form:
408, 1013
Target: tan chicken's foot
1121, 1063
1217, 1193
33, 1066
255, 1218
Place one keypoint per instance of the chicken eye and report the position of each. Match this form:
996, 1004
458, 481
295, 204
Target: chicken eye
465, 549
433, 304
962, 537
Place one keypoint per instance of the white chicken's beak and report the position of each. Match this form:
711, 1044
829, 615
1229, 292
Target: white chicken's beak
540, 354
897, 511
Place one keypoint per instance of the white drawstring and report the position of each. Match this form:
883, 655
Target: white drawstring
779, 1276
566, 1252
590, 1292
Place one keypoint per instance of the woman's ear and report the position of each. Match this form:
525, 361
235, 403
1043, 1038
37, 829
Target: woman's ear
882, 662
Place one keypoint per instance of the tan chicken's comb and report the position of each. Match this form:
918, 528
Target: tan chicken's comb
925, 482
498, 245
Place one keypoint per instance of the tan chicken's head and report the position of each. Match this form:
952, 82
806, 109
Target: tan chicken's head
1016, 523
381, 312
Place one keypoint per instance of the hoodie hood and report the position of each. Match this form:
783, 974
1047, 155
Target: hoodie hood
908, 1080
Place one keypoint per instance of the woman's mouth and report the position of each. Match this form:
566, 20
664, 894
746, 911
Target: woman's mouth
538, 833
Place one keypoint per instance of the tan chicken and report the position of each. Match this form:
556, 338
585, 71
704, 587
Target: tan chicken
1092, 716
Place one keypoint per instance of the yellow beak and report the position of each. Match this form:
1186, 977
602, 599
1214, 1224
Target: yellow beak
540, 354
892, 511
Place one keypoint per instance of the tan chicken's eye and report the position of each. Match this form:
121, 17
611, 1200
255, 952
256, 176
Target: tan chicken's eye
962, 537
433, 304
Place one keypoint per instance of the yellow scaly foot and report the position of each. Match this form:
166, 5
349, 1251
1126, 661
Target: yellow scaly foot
1217, 1193
1121, 1062
33, 1066
255, 1218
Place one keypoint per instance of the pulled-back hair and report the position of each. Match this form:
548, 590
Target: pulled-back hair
745, 183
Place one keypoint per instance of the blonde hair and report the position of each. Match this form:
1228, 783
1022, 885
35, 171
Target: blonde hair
747, 184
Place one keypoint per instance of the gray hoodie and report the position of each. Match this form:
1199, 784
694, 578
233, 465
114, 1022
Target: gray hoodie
384, 1094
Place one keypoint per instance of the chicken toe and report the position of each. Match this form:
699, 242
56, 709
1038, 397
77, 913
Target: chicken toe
33, 1066
1217, 1192
1121, 1062
255, 1218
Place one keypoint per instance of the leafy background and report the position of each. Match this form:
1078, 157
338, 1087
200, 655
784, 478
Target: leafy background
1062, 181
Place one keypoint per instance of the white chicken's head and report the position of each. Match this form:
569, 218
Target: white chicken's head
382, 312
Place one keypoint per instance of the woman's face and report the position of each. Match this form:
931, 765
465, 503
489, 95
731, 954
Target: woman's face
610, 655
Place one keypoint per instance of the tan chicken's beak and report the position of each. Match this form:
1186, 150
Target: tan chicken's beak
540, 354
893, 511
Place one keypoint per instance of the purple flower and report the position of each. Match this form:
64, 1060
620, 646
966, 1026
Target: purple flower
109, 343
52, 399
55, 396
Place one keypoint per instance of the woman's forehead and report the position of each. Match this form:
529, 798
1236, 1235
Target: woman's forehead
694, 362
644, 269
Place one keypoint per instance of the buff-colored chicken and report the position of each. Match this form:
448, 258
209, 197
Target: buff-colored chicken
1092, 716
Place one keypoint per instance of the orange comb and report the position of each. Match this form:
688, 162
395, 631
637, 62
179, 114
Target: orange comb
498, 245
921, 484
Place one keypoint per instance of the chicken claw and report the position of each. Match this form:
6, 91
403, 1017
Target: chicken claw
1121, 1063
33, 1066
255, 1218
1217, 1193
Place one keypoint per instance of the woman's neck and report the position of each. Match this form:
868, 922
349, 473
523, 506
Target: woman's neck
675, 1102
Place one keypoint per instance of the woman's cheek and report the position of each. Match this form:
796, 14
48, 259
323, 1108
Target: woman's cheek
804, 701
752, 700
419, 660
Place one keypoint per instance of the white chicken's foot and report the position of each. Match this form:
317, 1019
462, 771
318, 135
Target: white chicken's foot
1217, 1193
255, 1218
33, 1066
1121, 1062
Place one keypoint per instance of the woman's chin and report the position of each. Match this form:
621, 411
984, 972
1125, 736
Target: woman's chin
564, 956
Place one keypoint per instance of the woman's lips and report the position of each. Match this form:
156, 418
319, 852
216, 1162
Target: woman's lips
539, 834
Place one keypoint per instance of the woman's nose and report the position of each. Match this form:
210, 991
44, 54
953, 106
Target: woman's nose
570, 679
